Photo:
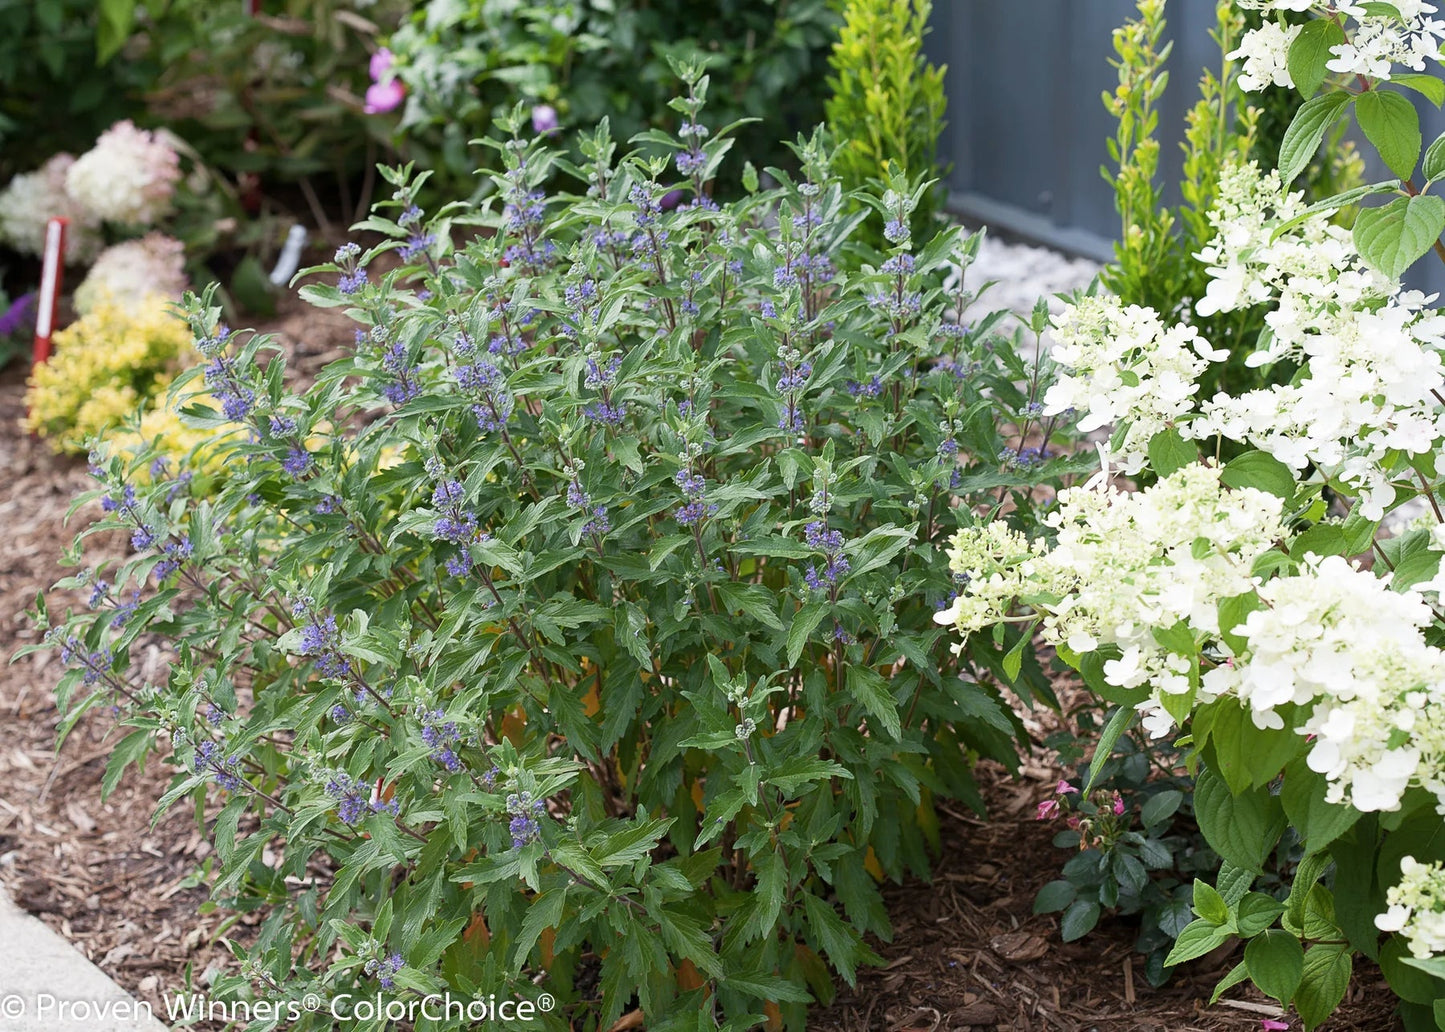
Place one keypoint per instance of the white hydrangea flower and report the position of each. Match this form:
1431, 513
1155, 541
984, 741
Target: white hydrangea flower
1372, 351
1124, 366
133, 273
1122, 565
128, 177
1417, 908
31, 199
1265, 53
1376, 40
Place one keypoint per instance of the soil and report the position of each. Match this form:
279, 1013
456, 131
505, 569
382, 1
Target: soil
967, 951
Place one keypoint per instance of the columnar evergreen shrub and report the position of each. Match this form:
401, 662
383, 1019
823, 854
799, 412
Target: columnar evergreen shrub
575, 635
886, 103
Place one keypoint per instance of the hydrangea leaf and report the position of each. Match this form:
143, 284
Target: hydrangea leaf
1392, 237
1310, 52
1307, 131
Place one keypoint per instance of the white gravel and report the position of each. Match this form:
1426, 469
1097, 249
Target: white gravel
1022, 274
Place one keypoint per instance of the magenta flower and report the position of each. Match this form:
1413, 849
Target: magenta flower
381, 63
382, 97
1270, 1025
1064, 788
544, 119
1118, 804
385, 93
1048, 809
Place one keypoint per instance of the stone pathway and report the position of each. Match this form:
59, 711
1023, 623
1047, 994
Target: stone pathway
47, 985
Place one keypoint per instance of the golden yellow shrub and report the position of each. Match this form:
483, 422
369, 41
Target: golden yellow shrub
104, 365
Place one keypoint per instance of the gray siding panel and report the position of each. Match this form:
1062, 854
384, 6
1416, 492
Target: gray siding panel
1027, 130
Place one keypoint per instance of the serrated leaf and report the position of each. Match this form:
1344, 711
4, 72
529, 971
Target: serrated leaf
1306, 132
1391, 123
1261, 471
1054, 896
1079, 920
1310, 52
1197, 939
1209, 904
1275, 960
1394, 236
1168, 451
1325, 980
805, 621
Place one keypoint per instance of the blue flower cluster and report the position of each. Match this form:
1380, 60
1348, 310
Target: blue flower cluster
210, 758
487, 383
321, 639
352, 279
384, 968
525, 826
355, 800
830, 542
440, 735
693, 487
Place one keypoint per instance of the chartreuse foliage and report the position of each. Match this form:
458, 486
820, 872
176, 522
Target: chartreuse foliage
887, 103
575, 633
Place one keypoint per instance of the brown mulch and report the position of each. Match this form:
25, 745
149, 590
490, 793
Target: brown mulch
967, 951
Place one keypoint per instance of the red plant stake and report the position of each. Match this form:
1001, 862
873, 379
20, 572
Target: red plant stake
50, 276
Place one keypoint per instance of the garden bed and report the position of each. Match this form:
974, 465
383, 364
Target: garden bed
967, 951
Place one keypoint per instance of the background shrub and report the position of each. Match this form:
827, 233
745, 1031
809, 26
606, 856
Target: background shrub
465, 63
887, 103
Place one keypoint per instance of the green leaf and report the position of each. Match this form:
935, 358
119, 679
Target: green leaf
1257, 912
834, 937
1326, 978
131, 749
1168, 451
1407, 980
545, 912
1307, 131
1079, 920
1237, 974
1197, 939
1233, 882
1392, 124
1159, 808
1119, 720
1393, 236
1241, 828
1261, 471
1054, 896
1276, 963
1429, 87
1434, 166
805, 621
117, 18
1209, 904
1319, 823
867, 686
1310, 52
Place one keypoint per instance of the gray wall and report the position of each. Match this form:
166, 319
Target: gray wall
1027, 128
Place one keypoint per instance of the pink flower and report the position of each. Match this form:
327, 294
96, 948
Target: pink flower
544, 119
381, 63
1118, 804
1048, 809
1270, 1025
1064, 788
382, 97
